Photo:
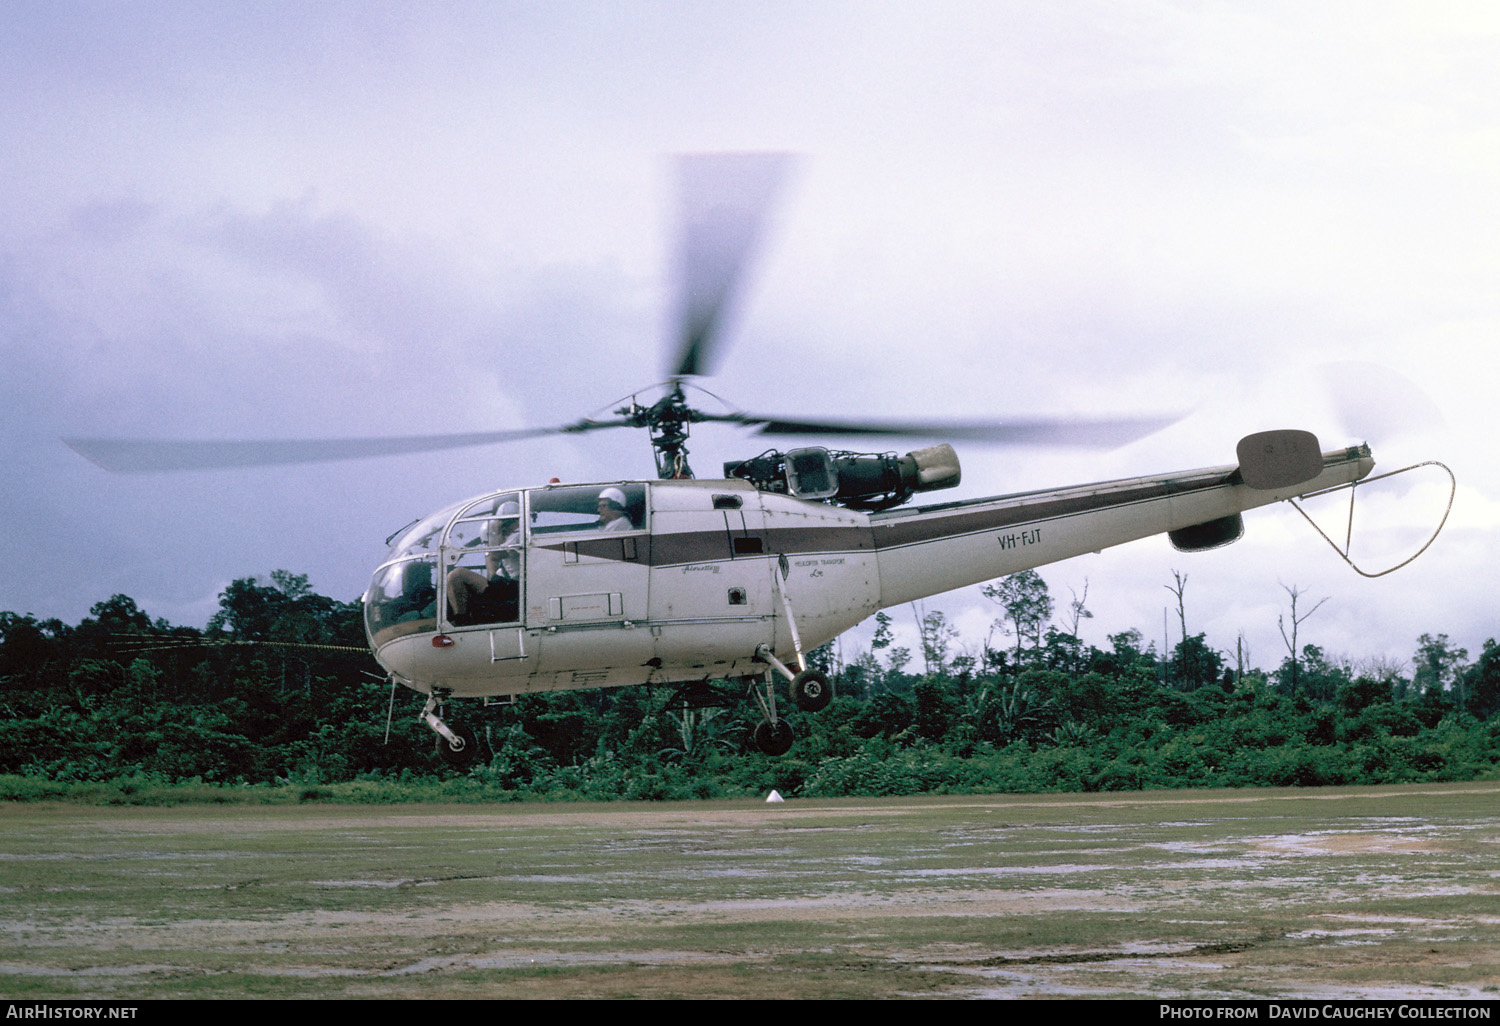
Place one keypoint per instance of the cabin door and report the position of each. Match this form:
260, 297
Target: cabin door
587, 578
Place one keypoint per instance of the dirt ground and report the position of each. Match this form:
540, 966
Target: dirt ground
1354, 893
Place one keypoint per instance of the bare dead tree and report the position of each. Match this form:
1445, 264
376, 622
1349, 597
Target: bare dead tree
1291, 642
1077, 610
1177, 589
1388, 670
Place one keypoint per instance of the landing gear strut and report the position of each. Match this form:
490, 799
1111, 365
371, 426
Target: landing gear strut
811, 690
456, 745
773, 735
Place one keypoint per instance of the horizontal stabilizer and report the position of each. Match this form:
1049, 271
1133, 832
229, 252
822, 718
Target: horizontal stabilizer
1279, 459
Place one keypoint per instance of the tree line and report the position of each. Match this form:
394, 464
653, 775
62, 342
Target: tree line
279, 690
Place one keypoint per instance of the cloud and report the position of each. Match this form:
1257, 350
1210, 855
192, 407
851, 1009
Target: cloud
282, 220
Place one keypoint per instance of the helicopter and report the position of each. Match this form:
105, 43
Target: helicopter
687, 581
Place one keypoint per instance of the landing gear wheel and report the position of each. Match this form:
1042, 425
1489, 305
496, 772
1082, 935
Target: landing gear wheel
774, 738
811, 691
461, 754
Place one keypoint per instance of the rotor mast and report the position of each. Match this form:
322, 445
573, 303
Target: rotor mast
667, 421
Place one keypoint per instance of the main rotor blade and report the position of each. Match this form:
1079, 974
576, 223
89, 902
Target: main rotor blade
724, 200
1371, 400
132, 456
1103, 432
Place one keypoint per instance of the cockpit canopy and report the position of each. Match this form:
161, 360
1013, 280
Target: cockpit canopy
464, 564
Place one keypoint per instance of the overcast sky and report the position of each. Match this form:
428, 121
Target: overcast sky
309, 219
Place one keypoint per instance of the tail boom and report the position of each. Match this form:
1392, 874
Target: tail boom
933, 549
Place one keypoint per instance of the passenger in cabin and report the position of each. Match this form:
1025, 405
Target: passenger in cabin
612, 515
494, 596
418, 598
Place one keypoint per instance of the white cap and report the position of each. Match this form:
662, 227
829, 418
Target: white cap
614, 495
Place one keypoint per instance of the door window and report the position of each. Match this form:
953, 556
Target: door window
611, 508
483, 562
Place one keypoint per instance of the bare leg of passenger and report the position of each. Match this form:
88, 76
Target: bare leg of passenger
463, 585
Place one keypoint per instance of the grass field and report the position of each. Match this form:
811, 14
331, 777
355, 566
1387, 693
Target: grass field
1348, 893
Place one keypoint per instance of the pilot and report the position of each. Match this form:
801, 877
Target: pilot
612, 516
505, 531
490, 596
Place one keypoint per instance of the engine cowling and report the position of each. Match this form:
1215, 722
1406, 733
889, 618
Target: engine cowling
867, 481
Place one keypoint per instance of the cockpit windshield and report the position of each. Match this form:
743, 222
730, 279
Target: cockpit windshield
466, 559
403, 597
424, 535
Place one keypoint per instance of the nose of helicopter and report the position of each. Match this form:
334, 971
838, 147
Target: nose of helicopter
401, 600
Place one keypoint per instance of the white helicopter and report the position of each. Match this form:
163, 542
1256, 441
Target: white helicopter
683, 581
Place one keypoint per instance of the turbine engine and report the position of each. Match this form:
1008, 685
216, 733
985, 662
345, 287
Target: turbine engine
863, 481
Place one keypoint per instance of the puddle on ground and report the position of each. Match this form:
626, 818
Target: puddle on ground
370, 883
533, 959
1310, 934
901, 874
1137, 873
1347, 842
91, 971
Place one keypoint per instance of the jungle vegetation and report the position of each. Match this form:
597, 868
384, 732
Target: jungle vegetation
277, 699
